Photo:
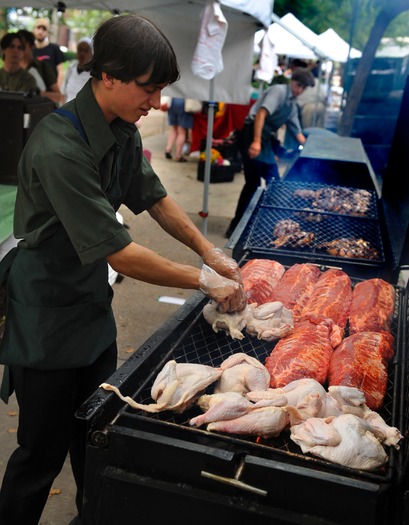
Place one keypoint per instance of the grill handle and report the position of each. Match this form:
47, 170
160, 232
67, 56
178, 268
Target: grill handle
235, 482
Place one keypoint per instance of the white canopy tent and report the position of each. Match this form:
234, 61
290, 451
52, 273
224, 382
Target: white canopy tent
336, 48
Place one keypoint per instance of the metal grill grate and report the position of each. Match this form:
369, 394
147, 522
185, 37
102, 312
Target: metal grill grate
200, 344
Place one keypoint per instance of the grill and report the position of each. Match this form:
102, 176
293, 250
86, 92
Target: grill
280, 201
154, 466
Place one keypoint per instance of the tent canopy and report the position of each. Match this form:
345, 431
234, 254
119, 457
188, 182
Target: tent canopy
180, 20
336, 48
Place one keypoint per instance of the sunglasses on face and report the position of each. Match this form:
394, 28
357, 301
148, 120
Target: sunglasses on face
42, 27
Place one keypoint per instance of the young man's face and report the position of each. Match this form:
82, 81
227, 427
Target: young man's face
130, 101
40, 33
13, 54
296, 88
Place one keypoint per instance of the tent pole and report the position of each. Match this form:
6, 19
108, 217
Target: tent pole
207, 168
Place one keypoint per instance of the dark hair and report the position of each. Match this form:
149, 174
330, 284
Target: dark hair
304, 77
129, 46
8, 38
27, 36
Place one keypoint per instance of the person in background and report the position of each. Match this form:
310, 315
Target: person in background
180, 124
46, 50
75, 75
41, 71
312, 103
13, 77
80, 164
276, 106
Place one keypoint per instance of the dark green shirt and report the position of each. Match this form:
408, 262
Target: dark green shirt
81, 182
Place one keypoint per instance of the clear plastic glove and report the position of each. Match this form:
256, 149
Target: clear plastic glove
223, 264
228, 294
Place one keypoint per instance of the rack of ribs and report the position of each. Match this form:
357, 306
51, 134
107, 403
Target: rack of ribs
330, 299
295, 287
372, 306
260, 276
361, 361
304, 353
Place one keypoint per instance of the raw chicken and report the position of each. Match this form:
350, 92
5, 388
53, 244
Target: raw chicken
265, 422
270, 321
361, 361
232, 323
372, 306
176, 387
260, 276
330, 299
295, 287
346, 440
242, 373
304, 353
219, 407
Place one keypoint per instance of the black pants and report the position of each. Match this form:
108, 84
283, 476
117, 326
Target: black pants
254, 171
47, 431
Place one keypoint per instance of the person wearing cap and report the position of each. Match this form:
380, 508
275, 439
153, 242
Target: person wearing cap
75, 76
46, 50
276, 106
13, 77
80, 164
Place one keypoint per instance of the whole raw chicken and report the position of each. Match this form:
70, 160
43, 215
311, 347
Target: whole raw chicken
176, 387
346, 440
242, 373
219, 407
265, 422
269, 321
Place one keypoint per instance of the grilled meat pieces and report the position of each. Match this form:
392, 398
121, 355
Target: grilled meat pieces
295, 287
288, 233
260, 276
361, 361
304, 353
340, 200
372, 306
351, 248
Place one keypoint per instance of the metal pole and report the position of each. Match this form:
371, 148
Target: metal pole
209, 138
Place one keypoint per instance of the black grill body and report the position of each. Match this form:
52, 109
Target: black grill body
153, 467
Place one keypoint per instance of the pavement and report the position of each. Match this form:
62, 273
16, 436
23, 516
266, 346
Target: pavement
141, 309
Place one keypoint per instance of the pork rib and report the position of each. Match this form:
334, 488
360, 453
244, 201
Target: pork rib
372, 306
360, 361
260, 276
295, 287
304, 353
330, 299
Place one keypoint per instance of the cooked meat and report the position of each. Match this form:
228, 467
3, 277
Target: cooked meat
289, 233
304, 353
295, 287
350, 247
260, 276
361, 361
330, 299
338, 199
346, 440
372, 306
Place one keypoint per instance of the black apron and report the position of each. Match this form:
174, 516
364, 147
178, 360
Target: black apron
58, 311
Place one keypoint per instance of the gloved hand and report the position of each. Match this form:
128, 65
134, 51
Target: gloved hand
222, 264
228, 294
